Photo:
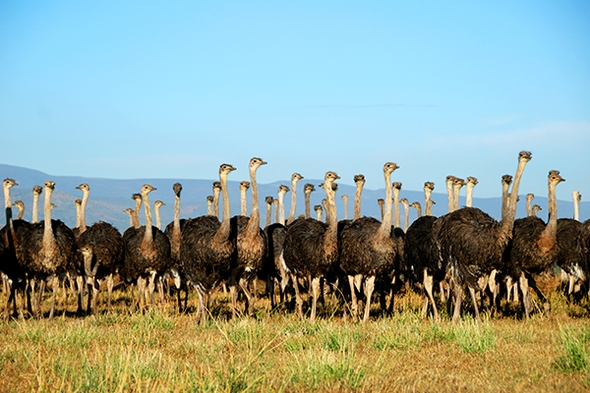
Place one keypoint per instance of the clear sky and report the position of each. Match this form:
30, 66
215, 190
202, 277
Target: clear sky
126, 89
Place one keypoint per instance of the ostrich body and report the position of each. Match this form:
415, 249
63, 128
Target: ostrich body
147, 252
534, 246
51, 249
473, 243
174, 233
311, 247
368, 248
206, 248
250, 245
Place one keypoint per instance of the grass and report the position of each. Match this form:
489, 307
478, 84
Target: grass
123, 351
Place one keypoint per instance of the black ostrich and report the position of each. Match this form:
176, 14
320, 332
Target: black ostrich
102, 249
207, 249
13, 237
147, 253
534, 247
422, 254
472, 243
311, 247
250, 245
51, 250
573, 273
368, 248
275, 237
174, 232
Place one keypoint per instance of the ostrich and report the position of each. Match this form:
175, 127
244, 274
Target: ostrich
534, 246
216, 188
138, 201
368, 248
470, 183
573, 272
319, 212
397, 187
535, 209
458, 183
244, 186
359, 181
307, 190
275, 235
381, 203
529, 201
472, 243
101, 248
147, 252
157, 205
311, 247
207, 250
51, 249
131, 216
13, 238
174, 233
422, 254
416, 205
428, 188
294, 180
36, 192
20, 205
250, 245
450, 194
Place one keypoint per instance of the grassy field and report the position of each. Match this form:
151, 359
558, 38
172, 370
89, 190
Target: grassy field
162, 351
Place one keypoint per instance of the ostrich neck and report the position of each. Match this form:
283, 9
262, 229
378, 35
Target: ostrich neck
469, 195
216, 203
331, 236
508, 219
456, 191
451, 200
307, 205
78, 213
427, 205
281, 209
357, 201
21, 213
223, 231
83, 211
268, 213
395, 207
176, 225
48, 237
158, 220
406, 217
528, 207
254, 221
419, 210
385, 228
576, 208
147, 237
293, 201
136, 213
35, 216
7, 206
550, 230
243, 207
345, 208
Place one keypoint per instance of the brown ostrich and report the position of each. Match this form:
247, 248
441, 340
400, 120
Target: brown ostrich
51, 250
250, 245
207, 250
534, 247
311, 248
147, 253
472, 243
367, 248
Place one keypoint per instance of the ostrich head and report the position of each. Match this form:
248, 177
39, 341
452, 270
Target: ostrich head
308, 188
359, 179
269, 199
429, 186
177, 187
84, 187
9, 183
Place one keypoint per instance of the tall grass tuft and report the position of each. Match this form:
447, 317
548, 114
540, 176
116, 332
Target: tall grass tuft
574, 346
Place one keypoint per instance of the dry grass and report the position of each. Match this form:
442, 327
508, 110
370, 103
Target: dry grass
122, 351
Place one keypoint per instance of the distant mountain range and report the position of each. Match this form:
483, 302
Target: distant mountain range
109, 197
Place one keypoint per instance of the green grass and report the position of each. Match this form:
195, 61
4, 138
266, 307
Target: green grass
160, 350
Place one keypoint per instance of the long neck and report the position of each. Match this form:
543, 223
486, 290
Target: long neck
469, 194
293, 201
147, 238
418, 210
281, 208
243, 207
224, 229
450, 195
268, 213
83, 211
508, 219
176, 225
216, 202
276, 204
307, 205
551, 227
48, 237
385, 228
456, 190
7, 206
331, 216
576, 196
78, 205
158, 220
136, 213
427, 204
318, 213
35, 216
406, 217
345, 200
357, 200
21, 212
254, 222
395, 207
528, 206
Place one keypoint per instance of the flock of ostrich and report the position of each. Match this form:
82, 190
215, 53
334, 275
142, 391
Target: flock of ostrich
301, 258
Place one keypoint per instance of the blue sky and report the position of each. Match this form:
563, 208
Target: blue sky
173, 89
